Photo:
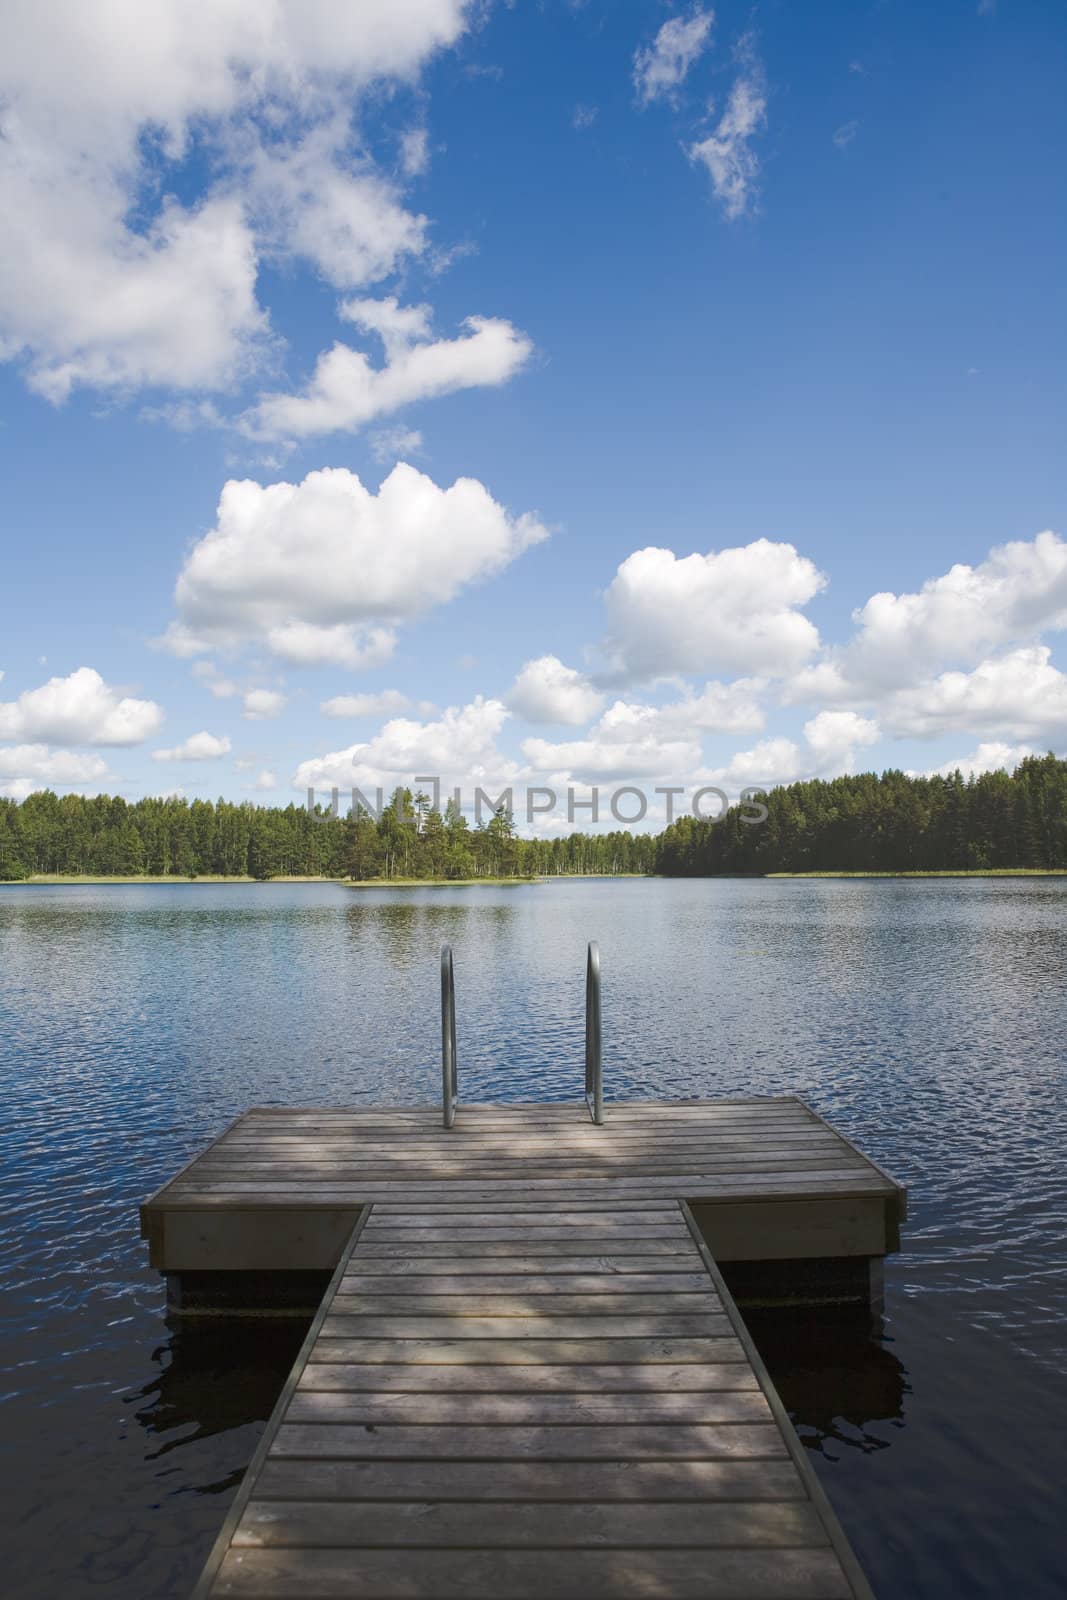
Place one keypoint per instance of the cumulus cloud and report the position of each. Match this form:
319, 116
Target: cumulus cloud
320, 570
345, 391
25, 768
547, 691
265, 782
661, 67
832, 741
727, 153
1015, 595
1020, 694
260, 705
198, 747
632, 740
365, 705
105, 278
459, 747
990, 756
833, 738
79, 709
732, 610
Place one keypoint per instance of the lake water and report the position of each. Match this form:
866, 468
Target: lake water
927, 1020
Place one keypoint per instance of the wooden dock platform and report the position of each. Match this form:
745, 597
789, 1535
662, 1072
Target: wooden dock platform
527, 1376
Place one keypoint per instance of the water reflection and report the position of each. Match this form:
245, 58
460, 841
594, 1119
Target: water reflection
839, 1378
214, 1375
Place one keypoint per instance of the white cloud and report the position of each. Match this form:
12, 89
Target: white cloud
547, 691
320, 569
831, 744
105, 278
730, 610
208, 673
717, 708
265, 782
661, 67
309, 644
415, 152
844, 135
770, 762
25, 768
459, 748
584, 117
1015, 595
345, 392
79, 709
732, 163
262, 704
834, 736
395, 444
365, 705
198, 747
623, 749
632, 740
990, 756
1020, 694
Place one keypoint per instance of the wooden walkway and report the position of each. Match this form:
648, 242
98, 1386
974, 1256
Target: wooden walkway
528, 1403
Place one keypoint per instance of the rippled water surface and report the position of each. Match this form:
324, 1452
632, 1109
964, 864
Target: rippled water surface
926, 1019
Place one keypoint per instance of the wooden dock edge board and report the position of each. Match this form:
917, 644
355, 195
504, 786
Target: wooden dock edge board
808, 1477
192, 1161
219, 1549
902, 1191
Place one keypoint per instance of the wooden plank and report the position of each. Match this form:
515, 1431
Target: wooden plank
674, 1326
637, 1525
806, 1229
709, 1184
676, 1264
498, 1411
406, 1377
553, 1250
506, 1282
793, 1574
637, 1442
524, 1304
528, 1352
574, 1481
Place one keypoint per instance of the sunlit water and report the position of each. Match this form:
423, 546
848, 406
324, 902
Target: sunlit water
926, 1019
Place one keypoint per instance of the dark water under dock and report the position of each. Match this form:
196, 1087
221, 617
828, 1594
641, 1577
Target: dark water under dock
927, 1020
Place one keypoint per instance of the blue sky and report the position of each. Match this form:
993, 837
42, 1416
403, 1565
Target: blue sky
772, 295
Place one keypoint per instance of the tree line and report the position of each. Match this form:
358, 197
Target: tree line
886, 823
859, 823
106, 836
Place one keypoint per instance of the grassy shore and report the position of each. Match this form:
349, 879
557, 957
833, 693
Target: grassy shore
432, 883
207, 877
950, 872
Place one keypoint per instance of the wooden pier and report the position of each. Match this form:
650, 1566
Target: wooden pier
526, 1376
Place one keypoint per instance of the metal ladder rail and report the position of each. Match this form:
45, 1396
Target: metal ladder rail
449, 1070
594, 1070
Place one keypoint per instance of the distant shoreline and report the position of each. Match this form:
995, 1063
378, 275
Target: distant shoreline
933, 872
63, 880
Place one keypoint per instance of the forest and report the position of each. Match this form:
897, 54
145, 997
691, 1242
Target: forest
860, 823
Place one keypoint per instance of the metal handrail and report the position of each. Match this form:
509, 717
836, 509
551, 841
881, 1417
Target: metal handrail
594, 1074
449, 1075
